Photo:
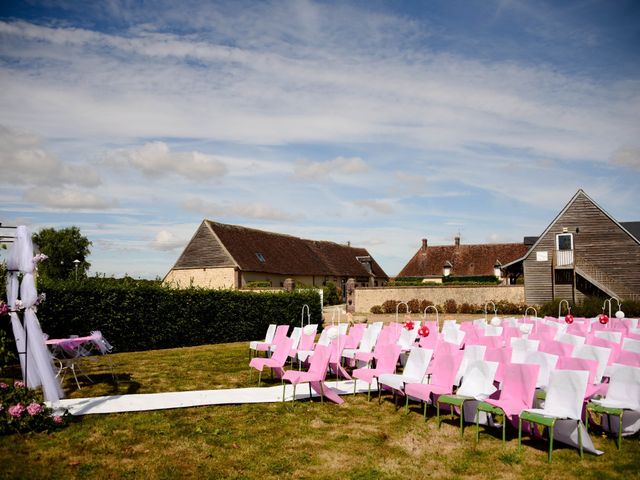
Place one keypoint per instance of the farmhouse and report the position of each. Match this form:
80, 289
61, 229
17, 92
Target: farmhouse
432, 263
584, 251
230, 256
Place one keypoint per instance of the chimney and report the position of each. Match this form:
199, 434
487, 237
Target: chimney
424, 245
348, 243
456, 240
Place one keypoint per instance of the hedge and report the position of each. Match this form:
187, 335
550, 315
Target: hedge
143, 315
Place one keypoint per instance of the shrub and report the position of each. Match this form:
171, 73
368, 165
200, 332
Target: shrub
376, 309
467, 308
590, 307
332, 295
21, 410
414, 305
424, 304
504, 306
389, 306
259, 284
450, 306
141, 315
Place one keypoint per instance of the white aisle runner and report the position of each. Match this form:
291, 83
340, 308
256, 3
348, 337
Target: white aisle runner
197, 398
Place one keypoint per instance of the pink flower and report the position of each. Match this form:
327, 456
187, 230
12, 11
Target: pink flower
18, 384
3, 386
34, 409
58, 419
17, 410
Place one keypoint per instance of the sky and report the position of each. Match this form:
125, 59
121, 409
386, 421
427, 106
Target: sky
371, 122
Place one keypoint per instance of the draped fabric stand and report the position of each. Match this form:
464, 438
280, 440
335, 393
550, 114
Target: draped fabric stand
35, 360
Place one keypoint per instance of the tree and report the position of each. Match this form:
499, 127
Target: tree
62, 247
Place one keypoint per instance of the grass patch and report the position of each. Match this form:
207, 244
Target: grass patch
357, 440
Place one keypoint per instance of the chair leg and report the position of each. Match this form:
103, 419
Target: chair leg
519, 433
438, 412
477, 426
580, 438
310, 392
461, 419
504, 429
369, 392
321, 392
284, 389
259, 377
406, 405
619, 430
551, 440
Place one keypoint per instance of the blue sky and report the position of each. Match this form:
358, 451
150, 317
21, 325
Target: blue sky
379, 123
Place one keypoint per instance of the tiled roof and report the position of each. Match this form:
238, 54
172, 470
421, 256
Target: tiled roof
465, 259
633, 228
260, 251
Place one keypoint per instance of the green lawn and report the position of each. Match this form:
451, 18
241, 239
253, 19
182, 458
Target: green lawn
357, 440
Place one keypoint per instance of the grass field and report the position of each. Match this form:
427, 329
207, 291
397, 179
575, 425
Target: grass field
357, 440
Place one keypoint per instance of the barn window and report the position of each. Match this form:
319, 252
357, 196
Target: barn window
564, 241
260, 257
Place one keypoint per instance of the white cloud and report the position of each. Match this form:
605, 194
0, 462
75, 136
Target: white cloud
257, 211
338, 165
627, 157
167, 241
24, 161
156, 159
68, 199
377, 206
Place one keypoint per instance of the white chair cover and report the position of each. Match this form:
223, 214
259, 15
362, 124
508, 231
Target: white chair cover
615, 337
592, 352
631, 345
471, 354
571, 339
414, 371
546, 361
520, 347
478, 380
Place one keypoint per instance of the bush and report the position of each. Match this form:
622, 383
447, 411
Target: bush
504, 306
424, 304
259, 284
389, 306
23, 411
414, 305
590, 307
471, 280
142, 315
450, 306
376, 309
332, 295
467, 308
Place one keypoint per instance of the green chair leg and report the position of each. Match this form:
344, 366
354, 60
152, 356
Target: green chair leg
619, 430
477, 426
425, 404
551, 440
461, 419
259, 377
284, 390
580, 439
369, 393
519, 433
438, 412
321, 392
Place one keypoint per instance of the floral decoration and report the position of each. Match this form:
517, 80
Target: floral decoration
409, 325
21, 410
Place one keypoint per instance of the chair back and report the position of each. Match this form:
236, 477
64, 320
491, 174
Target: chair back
501, 355
601, 342
271, 331
610, 335
295, 337
478, 380
388, 359
306, 341
356, 333
570, 363
444, 369
631, 345
546, 361
631, 359
472, 353
520, 348
319, 362
519, 386
281, 332
283, 347
624, 387
417, 363
600, 354
408, 337
565, 394
556, 348
432, 340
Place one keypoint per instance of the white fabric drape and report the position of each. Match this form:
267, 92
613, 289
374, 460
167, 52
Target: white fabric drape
39, 360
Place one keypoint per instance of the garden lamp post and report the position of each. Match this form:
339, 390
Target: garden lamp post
76, 262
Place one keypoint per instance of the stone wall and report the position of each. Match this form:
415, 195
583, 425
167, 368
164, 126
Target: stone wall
365, 298
201, 277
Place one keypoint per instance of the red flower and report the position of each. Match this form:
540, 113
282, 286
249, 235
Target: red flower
568, 318
603, 319
423, 331
409, 325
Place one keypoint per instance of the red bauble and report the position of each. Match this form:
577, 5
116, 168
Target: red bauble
568, 318
409, 325
603, 319
424, 331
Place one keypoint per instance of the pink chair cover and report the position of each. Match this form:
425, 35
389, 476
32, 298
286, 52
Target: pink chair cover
503, 357
355, 335
631, 359
434, 335
317, 367
518, 390
601, 342
277, 360
281, 332
556, 348
441, 382
387, 361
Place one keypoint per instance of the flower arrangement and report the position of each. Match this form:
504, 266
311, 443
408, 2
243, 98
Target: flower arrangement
22, 411
409, 325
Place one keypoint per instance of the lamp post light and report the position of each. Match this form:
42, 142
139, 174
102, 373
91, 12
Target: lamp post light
76, 262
